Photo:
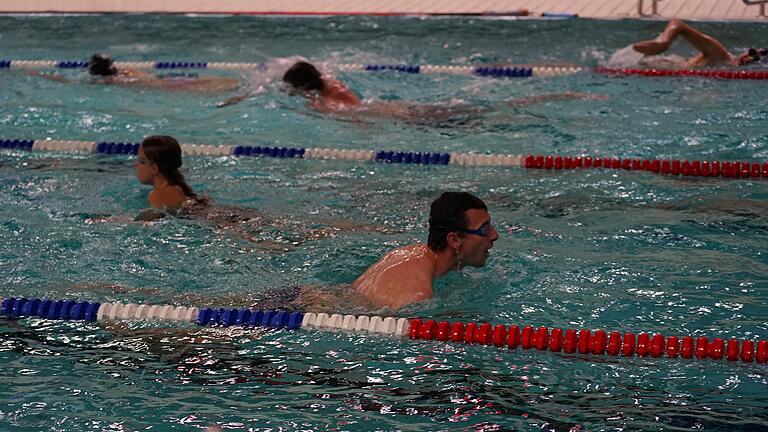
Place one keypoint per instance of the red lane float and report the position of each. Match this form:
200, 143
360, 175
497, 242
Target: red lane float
585, 341
730, 74
726, 169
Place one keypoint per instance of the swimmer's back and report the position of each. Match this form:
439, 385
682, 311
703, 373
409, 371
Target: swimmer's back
402, 276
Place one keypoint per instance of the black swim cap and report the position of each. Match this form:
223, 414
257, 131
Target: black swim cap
101, 64
758, 54
304, 76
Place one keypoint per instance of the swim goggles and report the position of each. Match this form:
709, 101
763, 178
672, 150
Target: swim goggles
483, 231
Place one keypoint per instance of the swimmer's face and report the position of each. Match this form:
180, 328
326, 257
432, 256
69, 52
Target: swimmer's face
475, 247
146, 170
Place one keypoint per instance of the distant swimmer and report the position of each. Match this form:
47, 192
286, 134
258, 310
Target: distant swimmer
329, 95
460, 235
101, 67
712, 52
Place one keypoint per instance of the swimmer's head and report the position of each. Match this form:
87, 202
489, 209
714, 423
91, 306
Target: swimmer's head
448, 214
161, 155
460, 223
753, 55
163, 151
304, 76
101, 65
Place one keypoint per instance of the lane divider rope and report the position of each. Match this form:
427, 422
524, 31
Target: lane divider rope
505, 71
695, 168
570, 341
501, 71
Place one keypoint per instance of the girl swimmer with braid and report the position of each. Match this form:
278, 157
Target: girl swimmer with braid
157, 164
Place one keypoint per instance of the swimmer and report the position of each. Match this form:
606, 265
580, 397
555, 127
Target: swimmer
712, 52
329, 95
101, 67
157, 164
460, 234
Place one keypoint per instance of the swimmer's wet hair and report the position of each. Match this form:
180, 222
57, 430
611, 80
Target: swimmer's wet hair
758, 54
447, 215
101, 65
165, 152
304, 76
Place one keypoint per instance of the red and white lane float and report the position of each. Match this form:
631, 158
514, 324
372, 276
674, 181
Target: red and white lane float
726, 74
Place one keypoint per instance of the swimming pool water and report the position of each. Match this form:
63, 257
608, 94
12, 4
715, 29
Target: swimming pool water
615, 250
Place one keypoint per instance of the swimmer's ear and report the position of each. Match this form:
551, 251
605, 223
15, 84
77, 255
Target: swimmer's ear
454, 240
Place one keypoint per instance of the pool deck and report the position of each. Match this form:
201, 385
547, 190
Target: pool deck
604, 9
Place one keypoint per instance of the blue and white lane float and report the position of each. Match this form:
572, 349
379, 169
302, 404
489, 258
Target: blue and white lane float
501, 71
569, 341
694, 168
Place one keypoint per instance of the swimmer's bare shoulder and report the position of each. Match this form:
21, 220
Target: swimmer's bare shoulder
170, 196
401, 277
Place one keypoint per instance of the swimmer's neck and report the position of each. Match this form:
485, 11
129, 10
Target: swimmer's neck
160, 182
442, 262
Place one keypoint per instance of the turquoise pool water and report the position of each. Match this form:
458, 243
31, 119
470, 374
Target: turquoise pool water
613, 250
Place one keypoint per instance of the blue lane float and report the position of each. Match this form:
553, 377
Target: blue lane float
72, 64
413, 158
49, 309
181, 65
275, 152
117, 148
412, 69
16, 144
504, 72
245, 317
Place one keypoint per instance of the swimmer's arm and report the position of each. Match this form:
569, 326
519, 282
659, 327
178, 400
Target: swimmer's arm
707, 45
51, 77
241, 97
710, 47
234, 100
